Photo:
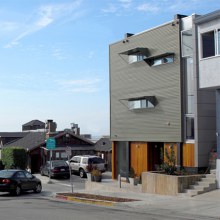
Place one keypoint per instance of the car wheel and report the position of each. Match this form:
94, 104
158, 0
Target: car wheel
38, 188
81, 173
17, 191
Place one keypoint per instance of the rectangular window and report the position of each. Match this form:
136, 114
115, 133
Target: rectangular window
190, 128
189, 86
208, 44
218, 42
187, 43
162, 60
57, 155
63, 155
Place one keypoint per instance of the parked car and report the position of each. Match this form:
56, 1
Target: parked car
17, 181
59, 168
80, 164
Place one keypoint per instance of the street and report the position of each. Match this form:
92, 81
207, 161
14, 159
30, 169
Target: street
61, 185
38, 207
31, 206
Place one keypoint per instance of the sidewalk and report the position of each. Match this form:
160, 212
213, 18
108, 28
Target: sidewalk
207, 205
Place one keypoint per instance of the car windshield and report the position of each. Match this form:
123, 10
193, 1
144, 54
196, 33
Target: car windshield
6, 173
59, 163
96, 160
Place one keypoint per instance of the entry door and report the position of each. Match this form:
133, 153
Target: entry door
154, 155
138, 157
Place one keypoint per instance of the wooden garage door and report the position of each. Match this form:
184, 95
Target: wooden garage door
188, 155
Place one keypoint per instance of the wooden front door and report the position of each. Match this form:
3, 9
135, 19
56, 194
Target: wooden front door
138, 157
154, 155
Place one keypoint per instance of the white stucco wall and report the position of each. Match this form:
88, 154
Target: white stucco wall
209, 68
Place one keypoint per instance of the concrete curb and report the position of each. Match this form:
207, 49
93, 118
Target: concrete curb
83, 200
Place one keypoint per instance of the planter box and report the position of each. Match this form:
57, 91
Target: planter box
157, 183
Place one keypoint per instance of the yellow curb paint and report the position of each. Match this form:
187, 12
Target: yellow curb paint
89, 201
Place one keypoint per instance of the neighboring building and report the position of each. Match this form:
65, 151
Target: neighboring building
33, 139
35, 144
103, 148
155, 100
207, 54
33, 125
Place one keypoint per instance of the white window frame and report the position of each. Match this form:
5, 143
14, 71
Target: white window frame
216, 43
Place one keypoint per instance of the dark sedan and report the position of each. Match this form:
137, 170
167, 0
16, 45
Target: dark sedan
16, 181
59, 168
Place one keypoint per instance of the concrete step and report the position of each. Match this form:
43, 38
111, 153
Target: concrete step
213, 171
205, 184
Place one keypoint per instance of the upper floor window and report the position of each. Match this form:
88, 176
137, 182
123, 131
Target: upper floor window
145, 102
136, 57
162, 60
210, 43
187, 43
190, 127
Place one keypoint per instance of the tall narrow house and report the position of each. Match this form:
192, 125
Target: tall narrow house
155, 101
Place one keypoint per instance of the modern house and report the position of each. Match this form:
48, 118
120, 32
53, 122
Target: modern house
207, 55
156, 102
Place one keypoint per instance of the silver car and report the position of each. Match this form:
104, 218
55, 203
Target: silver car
81, 163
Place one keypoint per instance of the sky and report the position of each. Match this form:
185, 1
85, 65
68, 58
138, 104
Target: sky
55, 56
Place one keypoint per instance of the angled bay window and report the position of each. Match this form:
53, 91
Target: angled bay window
160, 59
142, 102
135, 55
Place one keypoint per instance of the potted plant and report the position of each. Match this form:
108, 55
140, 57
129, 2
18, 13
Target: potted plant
89, 169
132, 176
96, 174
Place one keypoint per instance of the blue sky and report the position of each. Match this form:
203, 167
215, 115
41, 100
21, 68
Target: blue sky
54, 55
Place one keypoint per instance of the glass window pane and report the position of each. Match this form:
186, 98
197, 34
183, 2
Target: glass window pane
208, 44
190, 105
149, 105
121, 158
168, 59
189, 128
157, 62
187, 43
143, 103
218, 38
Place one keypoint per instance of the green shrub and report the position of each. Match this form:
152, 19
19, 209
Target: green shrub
14, 157
169, 164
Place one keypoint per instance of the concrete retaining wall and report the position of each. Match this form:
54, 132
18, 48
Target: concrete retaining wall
157, 183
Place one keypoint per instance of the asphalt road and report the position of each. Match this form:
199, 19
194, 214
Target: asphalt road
31, 206
61, 185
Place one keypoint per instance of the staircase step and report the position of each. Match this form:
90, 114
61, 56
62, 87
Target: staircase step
213, 171
205, 184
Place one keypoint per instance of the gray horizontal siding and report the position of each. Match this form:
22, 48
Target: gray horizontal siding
139, 79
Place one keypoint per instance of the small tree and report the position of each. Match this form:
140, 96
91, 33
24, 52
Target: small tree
14, 157
169, 164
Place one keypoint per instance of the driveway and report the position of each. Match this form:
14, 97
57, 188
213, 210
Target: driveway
61, 185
